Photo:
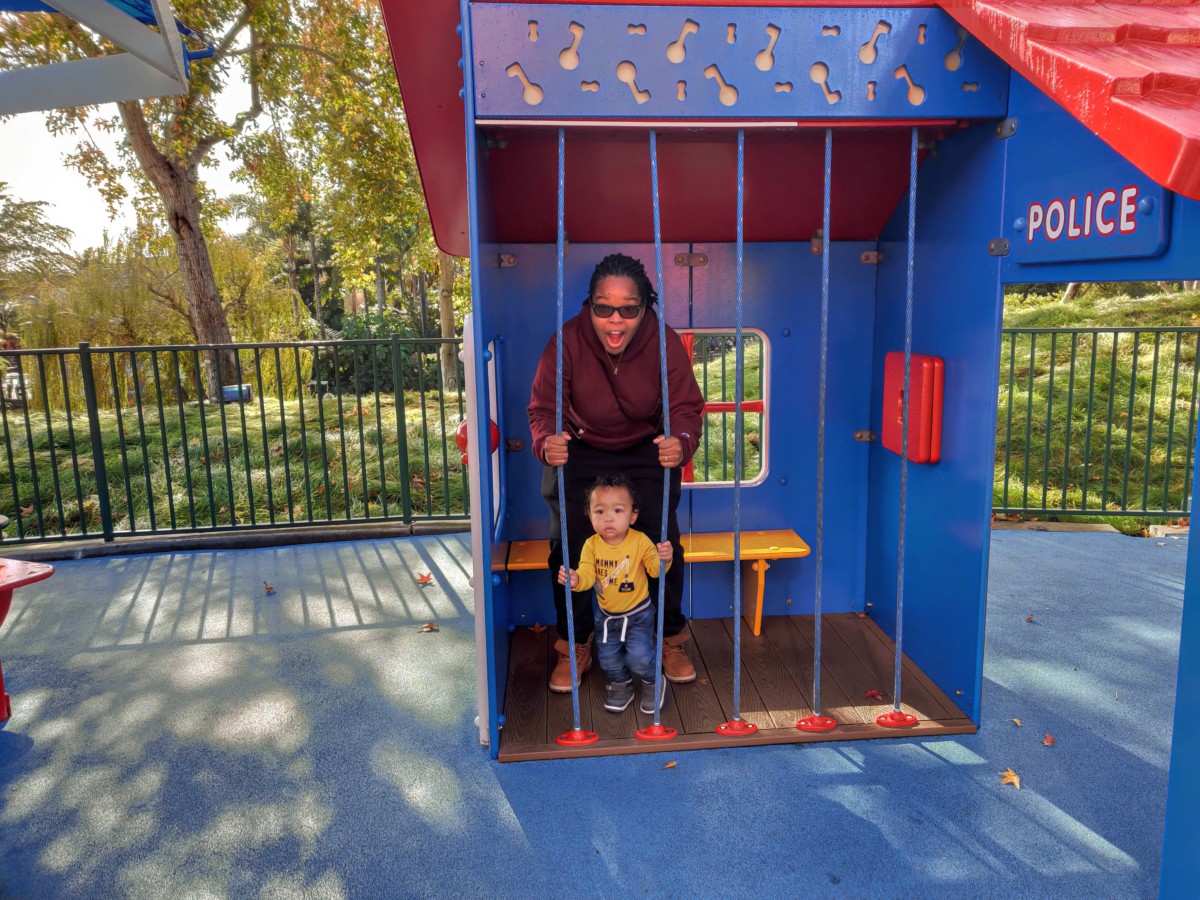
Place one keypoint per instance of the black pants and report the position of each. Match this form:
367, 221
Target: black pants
641, 466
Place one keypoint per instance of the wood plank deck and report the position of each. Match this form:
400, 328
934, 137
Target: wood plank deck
776, 691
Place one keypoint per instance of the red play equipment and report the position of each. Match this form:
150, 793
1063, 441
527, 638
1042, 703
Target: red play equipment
15, 573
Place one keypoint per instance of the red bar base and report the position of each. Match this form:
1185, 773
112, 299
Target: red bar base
656, 733
736, 728
577, 737
896, 719
816, 723
5, 708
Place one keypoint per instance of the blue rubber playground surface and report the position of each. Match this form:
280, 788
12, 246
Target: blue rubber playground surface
178, 731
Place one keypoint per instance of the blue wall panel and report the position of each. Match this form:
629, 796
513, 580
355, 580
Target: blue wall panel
1083, 162
561, 60
956, 317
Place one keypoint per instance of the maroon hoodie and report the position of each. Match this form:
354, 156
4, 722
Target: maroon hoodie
615, 410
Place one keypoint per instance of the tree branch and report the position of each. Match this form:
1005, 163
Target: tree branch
328, 57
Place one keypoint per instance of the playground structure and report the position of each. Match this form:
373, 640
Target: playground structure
1054, 144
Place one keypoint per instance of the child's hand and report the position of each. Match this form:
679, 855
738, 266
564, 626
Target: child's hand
665, 551
562, 577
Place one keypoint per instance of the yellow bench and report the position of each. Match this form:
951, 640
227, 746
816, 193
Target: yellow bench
759, 549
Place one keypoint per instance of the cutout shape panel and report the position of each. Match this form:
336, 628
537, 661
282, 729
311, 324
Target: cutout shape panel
566, 61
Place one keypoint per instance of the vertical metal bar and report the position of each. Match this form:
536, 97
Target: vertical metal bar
283, 431
1029, 419
1049, 417
324, 445
1112, 393
484, 442
379, 437
1137, 335
1187, 454
304, 424
483, 439
401, 431
237, 364
1087, 434
337, 390
51, 444
89, 394
201, 398
137, 398
262, 430
162, 427
12, 472
186, 447
119, 413
1012, 368
1150, 420
66, 380
1070, 419
362, 437
225, 454
23, 387
1171, 421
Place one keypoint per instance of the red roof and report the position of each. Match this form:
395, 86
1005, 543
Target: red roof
1129, 71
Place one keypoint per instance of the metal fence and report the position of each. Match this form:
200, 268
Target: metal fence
1096, 421
114, 441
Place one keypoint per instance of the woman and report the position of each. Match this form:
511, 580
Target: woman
613, 424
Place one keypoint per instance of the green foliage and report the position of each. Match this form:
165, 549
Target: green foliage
715, 364
1097, 423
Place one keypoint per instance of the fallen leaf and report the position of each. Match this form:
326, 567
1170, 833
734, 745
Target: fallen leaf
1161, 543
1048, 740
268, 588
1017, 722
872, 695
537, 627
425, 578
428, 627
861, 615
1029, 618
1008, 776
670, 765
27, 510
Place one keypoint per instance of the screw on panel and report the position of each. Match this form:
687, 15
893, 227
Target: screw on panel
1006, 128
817, 242
506, 260
871, 257
691, 260
998, 247
864, 436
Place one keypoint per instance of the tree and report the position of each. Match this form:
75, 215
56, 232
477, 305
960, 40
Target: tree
284, 53
30, 247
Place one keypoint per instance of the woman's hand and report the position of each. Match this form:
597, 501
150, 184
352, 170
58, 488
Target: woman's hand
562, 576
554, 451
665, 551
670, 451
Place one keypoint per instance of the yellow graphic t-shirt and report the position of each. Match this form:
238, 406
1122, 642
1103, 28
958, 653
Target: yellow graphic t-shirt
619, 574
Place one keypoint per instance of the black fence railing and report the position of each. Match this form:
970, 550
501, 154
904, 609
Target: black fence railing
112, 441
1096, 421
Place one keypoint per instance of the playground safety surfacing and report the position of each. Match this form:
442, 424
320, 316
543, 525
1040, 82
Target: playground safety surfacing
858, 660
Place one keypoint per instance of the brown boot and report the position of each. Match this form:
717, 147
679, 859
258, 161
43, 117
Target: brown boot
560, 678
676, 665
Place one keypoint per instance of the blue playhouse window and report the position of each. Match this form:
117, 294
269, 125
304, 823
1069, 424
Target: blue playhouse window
714, 360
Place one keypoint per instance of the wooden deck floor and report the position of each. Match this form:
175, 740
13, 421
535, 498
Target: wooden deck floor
776, 688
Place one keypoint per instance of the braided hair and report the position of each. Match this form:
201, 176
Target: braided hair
624, 267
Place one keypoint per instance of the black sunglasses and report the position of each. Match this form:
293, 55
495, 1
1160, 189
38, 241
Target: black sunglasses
603, 311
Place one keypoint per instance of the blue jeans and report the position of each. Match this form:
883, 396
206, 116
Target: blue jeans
633, 656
